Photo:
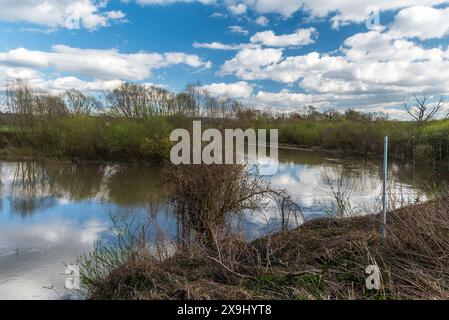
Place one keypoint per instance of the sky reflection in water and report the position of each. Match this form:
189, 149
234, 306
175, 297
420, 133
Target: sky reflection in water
50, 213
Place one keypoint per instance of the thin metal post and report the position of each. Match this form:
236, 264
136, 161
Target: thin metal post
384, 191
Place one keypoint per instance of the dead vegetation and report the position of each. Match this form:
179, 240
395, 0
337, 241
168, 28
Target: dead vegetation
322, 259
208, 198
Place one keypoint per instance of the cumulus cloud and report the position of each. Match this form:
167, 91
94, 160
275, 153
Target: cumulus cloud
98, 64
216, 46
282, 98
166, 2
239, 89
237, 9
421, 22
262, 21
300, 37
219, 15
238, 29
68, 14
270, 64
56, 85
65, 83
340, 12
373, 69
249, 62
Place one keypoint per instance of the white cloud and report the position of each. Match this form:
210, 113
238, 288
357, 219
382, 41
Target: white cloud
219, 15
341, 12
56, 85
167, 2
282, 98
372, 70
239, 89
237, 9
262, 21
421, 22
238, 29
248, 62
263, 64
216, 46
66, 83
98, 64
68, 14
300, 37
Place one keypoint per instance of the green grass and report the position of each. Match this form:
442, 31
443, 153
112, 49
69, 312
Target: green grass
366, 137
97, 138
127, 139
6, 128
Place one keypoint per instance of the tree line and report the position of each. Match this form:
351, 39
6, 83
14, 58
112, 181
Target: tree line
132, 100
127, 100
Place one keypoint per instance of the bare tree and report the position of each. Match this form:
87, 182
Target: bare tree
140, 101
421, 110
31, 107
185, 105
206, 197
78, 103
160, 100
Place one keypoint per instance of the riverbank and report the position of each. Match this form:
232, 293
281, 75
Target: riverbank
140, 140
322, 259
134, 122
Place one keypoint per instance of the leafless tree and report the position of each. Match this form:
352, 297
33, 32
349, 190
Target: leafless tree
185, 105
31, 107
78, 103
139, 101
18, 97
204, 197
128, 100
421, 110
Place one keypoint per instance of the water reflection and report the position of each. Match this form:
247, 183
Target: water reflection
33, 186
52, 212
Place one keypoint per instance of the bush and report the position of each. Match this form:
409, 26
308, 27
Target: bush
133, 139
100, 138
80, 137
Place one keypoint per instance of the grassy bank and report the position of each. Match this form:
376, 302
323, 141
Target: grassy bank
408, 140
133, 139
323, 259
133, 123
92, 138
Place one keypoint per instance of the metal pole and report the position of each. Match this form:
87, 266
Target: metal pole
384, 191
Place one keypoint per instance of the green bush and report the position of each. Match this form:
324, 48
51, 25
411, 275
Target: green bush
303, 133
143, 139
81, 137
100, 138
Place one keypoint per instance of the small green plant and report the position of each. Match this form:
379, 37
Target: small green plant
340, 186
107, 256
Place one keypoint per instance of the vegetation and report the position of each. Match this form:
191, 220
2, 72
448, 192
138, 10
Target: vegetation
133, 122
206, 197
322, 259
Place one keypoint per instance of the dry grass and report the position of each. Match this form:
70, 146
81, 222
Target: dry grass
323, 259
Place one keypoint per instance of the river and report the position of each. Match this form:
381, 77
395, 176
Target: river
52, 212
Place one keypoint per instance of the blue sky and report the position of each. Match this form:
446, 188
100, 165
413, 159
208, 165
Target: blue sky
267, 53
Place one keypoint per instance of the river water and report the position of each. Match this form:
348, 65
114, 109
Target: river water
52, 212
